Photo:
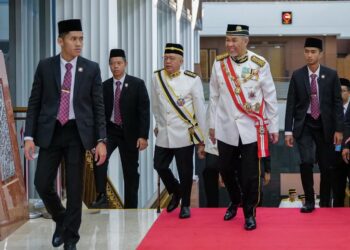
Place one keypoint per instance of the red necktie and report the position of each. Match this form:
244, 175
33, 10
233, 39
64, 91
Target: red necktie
315, 106
117, 115
63, 113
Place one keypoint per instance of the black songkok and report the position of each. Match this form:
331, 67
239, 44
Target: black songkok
66, 26
313, 42
237, 30
117, 53
174, 48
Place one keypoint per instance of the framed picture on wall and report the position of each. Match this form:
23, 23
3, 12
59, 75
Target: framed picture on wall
204, 64
212, 56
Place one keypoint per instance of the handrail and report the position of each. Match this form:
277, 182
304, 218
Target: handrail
89, 192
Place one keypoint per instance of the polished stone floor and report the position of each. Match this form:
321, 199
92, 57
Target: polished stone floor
100, 230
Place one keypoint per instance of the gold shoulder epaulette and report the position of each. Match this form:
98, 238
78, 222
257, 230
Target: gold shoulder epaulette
258, 61
158, 70
222, 56
190, 73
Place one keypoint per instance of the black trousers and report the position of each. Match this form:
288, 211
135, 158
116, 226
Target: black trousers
66, 144
130, 163
184, 162
244, 180
340, 176
311, 136
210, 180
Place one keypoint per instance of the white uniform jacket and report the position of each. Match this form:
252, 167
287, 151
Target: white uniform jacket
287, 203
172, 130
256, 83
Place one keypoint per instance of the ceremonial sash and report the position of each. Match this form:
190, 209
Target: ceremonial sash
194, 131
243, 106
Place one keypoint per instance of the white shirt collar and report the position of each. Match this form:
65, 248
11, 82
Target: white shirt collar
346, 105
73, 61
120, 80
317, 72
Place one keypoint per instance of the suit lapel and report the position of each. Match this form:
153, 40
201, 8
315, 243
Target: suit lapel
307, 81
346, 113
78, 80
110, 97
125, 88
321, 82
57, 71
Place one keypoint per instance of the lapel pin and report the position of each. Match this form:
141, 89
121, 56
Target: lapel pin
323, 76
126, 85
80, 69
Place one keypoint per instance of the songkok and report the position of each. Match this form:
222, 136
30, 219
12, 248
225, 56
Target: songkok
174, 48
313, 42
237, 30
66, 26
292, 191
117, 53
344, 82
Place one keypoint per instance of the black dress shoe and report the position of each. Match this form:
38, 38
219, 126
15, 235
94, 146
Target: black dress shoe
57, 238
250, 223
307, 208
70, 246
100, 202
174, 203
185, 213
230, 212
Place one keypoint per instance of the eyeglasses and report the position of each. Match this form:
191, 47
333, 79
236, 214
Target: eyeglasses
169, 58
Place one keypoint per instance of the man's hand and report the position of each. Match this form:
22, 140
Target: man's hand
267, 178
100, 153
338, 138
29, 150
155, 131
201, 152
288, 139
346, 155
274, 138
221, 181
212, 135
141, 144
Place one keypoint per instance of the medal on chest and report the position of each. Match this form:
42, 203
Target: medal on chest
181, 101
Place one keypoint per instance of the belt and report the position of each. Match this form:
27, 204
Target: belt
113, 125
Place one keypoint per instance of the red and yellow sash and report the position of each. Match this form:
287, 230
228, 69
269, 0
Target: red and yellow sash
243, 106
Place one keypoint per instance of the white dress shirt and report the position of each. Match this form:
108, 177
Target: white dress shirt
121, 80
63, 72
345, 106
172, 130
317, 72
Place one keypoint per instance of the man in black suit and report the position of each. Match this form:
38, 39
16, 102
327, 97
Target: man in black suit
314, 115
127, 110
342, 171
65, 117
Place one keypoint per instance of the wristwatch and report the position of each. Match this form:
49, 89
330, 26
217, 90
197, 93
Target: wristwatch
102, 140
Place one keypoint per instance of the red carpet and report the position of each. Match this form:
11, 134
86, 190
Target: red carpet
280, 229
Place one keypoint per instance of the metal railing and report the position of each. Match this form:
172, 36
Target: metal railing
89, 193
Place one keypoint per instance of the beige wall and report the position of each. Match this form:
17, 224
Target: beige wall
291, 51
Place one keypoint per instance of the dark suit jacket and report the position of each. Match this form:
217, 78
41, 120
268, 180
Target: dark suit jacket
44, 102
347, 125
330, 100
134, 108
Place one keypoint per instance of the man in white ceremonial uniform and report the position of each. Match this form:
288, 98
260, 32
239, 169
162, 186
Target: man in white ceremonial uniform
243, 113
292, 201
179, 111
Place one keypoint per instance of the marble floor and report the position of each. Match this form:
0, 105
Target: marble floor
100, 230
